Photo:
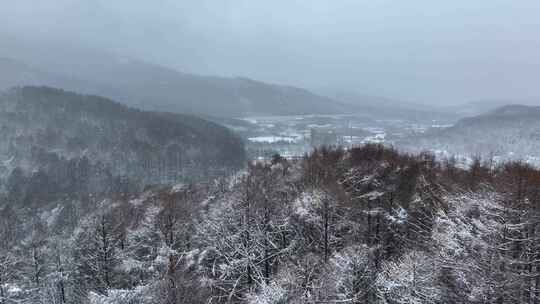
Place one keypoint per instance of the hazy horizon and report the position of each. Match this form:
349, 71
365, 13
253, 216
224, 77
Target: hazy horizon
434, 53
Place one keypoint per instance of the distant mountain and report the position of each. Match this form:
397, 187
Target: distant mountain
515, 110
479, 107
16, 73
186, 93
508, 115
42, 127
511, 131
154, 87
385, 108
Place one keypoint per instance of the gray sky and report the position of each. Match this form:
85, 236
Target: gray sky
426, 51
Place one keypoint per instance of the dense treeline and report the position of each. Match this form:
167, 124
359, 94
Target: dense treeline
366, 225
36, 122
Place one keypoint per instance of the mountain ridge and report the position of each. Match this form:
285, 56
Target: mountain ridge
153, 87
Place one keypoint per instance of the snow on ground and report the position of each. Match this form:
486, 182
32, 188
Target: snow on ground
377, 138
251, 120
12, 289
306, 202
272, 139
374, 130
352, 139
441, 126
8, 161
50, 217
178, 188
121, 296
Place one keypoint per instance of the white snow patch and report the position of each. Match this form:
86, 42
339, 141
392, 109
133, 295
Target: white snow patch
399, 217
373, 195
272, 139
178, 188
49, 217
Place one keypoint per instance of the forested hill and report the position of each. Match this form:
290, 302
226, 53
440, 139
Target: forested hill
366, 225
511, 131
41, 127
515, 114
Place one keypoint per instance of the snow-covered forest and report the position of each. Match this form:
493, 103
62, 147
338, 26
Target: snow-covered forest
366, 225
269, 152
86, 142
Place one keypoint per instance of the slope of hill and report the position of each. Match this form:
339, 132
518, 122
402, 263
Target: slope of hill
40, 126
511, 131
154, 87
186, 93
480, 107
510, 112
385, 108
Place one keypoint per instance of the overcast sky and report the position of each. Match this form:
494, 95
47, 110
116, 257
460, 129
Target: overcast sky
425, 51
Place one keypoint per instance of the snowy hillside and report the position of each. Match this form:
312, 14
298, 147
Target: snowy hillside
507, 133
59, 133
365, 226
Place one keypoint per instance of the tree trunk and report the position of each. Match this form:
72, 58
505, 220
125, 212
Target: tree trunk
325, 230
36, 266
266, 249
2, 292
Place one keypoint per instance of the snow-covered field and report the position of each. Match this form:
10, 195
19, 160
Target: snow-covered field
295, 135
272, 139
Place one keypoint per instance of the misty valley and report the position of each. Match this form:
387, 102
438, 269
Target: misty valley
294, 136
244, 152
